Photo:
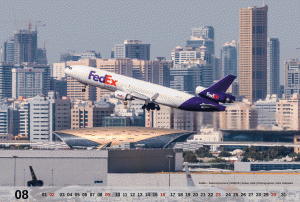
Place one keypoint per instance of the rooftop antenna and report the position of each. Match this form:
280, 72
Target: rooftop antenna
263, 2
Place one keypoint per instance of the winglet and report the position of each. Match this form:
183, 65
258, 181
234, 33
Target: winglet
190, 182
222, 85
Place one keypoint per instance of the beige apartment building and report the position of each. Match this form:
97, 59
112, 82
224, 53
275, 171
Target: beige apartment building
240, 116
288, 113
159, 119
58, 70
253, 52
87, 115
74, 88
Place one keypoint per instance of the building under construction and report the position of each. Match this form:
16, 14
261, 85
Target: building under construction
25, 46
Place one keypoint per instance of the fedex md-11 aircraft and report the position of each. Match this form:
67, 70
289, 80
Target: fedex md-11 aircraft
127, 88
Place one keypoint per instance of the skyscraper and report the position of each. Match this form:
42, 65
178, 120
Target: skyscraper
197, 42
273, 66
132, 49
253, 52
206, 31
229, 58
25, 46
291, 77
8, 52
5, 79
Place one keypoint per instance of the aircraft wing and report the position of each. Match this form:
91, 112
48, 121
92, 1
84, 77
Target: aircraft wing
142, 96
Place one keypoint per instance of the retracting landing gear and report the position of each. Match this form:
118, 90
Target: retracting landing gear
151, 106
84, 89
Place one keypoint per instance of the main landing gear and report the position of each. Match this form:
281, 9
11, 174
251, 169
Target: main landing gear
151, 106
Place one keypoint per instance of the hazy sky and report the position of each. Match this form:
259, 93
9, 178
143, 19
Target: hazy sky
98, 25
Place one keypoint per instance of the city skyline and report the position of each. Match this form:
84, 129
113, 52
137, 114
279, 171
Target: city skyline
98, 26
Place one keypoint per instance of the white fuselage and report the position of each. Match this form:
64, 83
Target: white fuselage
167, 96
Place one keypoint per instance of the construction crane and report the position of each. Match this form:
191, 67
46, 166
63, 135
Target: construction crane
34, 182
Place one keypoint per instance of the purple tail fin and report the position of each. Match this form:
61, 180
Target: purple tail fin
222, 85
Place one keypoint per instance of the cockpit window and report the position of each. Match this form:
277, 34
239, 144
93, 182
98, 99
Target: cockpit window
69, 67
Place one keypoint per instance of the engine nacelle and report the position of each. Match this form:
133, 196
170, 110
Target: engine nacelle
123, 96
199, 89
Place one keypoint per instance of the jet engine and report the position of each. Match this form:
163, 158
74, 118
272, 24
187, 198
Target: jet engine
123, 95
199, 89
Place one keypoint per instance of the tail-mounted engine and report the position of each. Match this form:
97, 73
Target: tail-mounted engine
123, 95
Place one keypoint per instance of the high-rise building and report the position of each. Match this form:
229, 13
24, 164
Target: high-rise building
217, 70
291, 77
266, 111
85, 114
186, 77
288, 113
59, 85
27, 82
6, 120
197, 42
240, 116
41, 57
132, 49
58, 70
6, 79
178, 55
48, 114
253, 53
273, 66
25, 46
229, 58
8, 52
164, 71
206, 31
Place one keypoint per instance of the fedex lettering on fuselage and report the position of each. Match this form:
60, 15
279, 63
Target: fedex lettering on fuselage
103, 79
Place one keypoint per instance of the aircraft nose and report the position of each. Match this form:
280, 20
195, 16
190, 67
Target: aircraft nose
68, 70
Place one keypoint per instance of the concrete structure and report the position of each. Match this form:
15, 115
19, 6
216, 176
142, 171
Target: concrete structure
27, 82
74, 88
273, 66
159, 119
291, 77
178, 55
197, 42
217, 70
59, 85
288, 113
144, 161
265, 166
25, 46
8, 52
206, 31
41, 57
47, 114
229, 58
266, 112
54, 167
122, 137
240, 116
6, 80
85, 114
58, 70
126, 117
6, 119
253, 53
132, 49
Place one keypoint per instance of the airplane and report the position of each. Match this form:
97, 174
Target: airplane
127, 88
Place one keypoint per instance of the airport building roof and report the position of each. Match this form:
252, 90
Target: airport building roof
100, 136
